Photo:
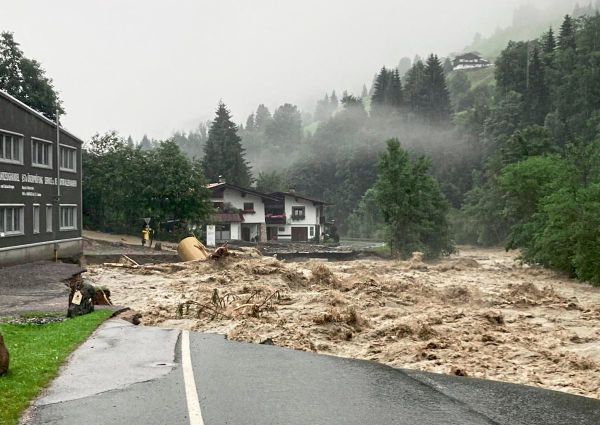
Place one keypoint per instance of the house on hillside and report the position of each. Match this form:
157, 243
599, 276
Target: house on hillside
248, 215
40, 187
470, 61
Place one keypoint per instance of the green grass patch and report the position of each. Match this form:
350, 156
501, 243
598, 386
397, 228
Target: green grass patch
34, 314
36, 353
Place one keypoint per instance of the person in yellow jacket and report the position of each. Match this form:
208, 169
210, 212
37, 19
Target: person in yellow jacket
145, 235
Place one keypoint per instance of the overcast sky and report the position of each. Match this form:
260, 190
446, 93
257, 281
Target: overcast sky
155, 66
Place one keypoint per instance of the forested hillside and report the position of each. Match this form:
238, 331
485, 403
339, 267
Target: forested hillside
528, 22
506, 155
539, 186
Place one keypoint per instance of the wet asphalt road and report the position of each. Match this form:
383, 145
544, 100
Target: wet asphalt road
244, 384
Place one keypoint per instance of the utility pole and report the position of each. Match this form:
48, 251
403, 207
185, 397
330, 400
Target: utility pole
56, 223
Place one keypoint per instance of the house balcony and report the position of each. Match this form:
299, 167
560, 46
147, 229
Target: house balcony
275, 219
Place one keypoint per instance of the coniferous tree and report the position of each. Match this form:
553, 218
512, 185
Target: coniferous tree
387, 95
404, 66
223, 152
365, 92
333, 102
566, 38
448, 67
414, 88
436, 89
380, 88
549, 42
394, 96
263, 116
250, 122
146, 144
537, 99
512, 69
323, 110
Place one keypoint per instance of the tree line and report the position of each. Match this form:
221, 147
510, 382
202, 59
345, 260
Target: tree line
512, 159
537, 188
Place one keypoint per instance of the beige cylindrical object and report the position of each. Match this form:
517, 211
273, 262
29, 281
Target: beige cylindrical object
191, 249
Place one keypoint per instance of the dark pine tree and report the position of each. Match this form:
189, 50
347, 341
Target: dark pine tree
365, 92
549, 42
437, 108
394, 96
223, 152
537, 99
448, 67
334, 102
566, 38
250, 122
380, 87
414, 88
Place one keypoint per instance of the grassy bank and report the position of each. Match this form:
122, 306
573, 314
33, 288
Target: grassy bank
36, 353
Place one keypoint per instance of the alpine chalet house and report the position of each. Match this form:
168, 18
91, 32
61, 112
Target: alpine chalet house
294, 217
240, 213
40, 187
470, 61
251, 216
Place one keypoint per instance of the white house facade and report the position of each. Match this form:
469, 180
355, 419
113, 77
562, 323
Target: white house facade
240, 213
302, 221
470, 61
247, 215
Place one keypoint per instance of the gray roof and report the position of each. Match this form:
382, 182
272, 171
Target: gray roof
37, 114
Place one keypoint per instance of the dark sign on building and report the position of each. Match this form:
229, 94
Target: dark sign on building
40, 187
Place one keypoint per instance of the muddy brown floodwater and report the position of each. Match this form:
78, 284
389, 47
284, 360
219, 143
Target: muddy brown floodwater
479, 313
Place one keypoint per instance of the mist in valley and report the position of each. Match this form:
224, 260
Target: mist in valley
359, 104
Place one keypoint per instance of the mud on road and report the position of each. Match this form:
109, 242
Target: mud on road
480, 313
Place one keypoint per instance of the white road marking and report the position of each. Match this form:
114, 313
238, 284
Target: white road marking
191, 394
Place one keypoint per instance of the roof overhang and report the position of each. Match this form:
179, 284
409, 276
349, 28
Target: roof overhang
37, 114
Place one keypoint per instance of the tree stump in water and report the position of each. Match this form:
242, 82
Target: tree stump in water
81, 298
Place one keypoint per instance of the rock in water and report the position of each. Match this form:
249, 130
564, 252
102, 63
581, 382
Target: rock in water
4, 358
81, 299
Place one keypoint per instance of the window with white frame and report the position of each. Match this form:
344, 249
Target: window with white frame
12, 218
11, 147
41, 153
48, 218
36, 219
68, 217
68, 161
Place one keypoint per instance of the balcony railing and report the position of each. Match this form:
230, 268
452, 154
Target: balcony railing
275, 219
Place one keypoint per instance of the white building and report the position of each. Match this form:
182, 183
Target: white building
247, 215
240, 212
294, 217
470, 61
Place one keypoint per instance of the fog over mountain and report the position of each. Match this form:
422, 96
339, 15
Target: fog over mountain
153, 67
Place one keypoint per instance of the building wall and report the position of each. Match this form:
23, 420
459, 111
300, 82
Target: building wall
236, 233
237, 200
25, 185
310, 221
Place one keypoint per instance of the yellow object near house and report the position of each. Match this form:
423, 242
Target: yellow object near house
191, 249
